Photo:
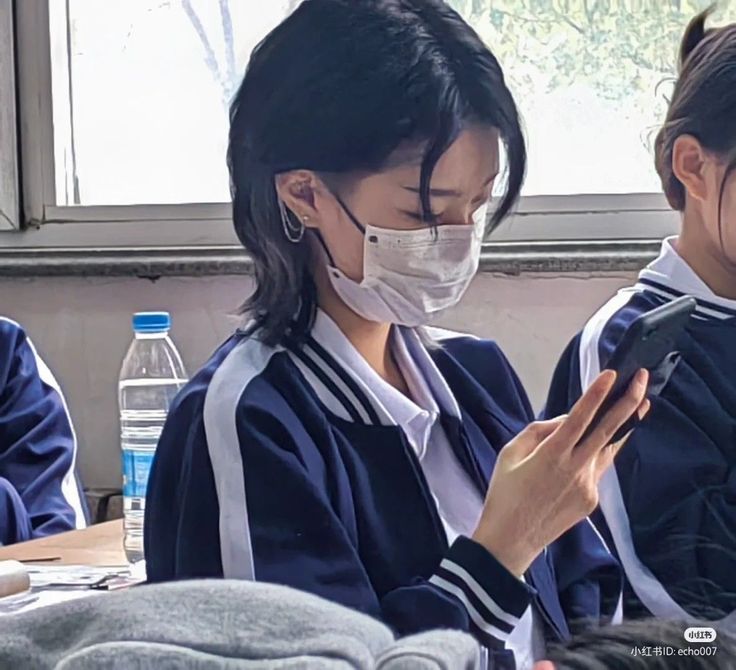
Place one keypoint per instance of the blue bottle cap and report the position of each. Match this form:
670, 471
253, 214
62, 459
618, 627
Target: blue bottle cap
151, 322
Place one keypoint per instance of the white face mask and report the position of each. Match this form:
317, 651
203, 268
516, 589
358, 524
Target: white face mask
410, 276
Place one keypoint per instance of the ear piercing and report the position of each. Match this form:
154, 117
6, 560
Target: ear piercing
294, 233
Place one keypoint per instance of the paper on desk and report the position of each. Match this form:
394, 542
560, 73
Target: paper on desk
58, 583
31, 600
44, 576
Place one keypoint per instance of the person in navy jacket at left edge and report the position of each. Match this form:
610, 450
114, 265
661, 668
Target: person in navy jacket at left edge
39, 492
336, 444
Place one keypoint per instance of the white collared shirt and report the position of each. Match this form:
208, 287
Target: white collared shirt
458, 501
672, 271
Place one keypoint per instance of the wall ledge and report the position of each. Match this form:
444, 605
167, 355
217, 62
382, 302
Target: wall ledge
511, 258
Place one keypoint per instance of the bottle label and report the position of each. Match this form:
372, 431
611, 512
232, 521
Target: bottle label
136, 468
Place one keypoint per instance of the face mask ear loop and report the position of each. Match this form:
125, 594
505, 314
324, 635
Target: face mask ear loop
352, 218
320, 239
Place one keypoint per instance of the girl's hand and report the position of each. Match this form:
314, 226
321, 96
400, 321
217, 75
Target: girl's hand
546, 478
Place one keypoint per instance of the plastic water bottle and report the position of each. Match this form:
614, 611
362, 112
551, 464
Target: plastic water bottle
151, 376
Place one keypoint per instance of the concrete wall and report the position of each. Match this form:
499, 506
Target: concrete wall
82, 328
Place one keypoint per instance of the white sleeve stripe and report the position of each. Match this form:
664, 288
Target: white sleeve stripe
240, 367
590, 366
598, 533
473, 613
69, 486
479, 592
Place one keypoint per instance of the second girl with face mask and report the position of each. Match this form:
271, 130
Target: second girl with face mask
335, 444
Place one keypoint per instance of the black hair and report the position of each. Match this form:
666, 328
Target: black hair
646, 644
337, 88
703, 103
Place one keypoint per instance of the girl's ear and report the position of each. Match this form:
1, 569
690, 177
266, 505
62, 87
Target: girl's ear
688, 162
296, 189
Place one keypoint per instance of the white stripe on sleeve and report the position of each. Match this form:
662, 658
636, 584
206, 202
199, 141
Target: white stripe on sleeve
245, 362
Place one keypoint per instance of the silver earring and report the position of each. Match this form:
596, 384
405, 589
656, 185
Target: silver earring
294, 233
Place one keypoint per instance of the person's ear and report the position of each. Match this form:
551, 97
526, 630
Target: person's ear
688, 165
544, 665
297, 189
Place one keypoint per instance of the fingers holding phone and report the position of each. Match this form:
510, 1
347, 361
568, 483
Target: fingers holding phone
607, 455
604, 429
546, 479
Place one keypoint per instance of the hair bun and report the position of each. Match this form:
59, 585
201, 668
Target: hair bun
694, 34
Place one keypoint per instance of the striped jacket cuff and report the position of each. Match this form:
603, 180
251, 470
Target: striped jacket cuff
494, 599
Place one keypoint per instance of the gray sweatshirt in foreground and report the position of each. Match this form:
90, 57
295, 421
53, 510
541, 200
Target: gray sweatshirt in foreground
214, 625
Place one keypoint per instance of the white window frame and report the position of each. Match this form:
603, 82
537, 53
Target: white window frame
9, 196
582, 218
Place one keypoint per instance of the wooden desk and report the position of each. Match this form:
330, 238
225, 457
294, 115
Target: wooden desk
100, 545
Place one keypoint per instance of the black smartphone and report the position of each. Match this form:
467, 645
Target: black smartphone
650, 342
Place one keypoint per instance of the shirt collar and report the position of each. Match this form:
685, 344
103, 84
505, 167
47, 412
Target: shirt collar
437, 385
670, 276
428, 388
392, 403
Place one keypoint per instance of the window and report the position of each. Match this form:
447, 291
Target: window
9, 214
149, 84
135, 129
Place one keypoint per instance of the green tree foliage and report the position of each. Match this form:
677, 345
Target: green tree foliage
612, 45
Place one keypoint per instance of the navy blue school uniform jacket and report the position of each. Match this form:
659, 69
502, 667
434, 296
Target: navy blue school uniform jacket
39, 494
668, 508
275, 465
